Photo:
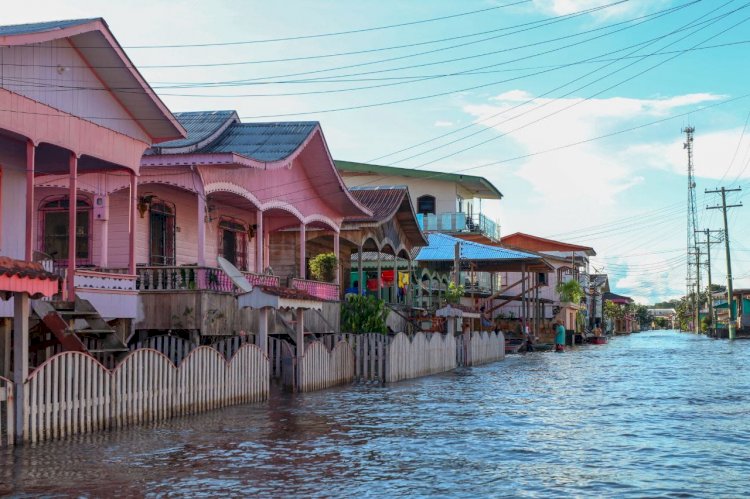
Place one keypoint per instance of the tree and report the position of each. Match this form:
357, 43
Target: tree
570, 291
643, 316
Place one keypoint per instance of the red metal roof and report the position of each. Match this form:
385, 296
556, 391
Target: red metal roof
20, 276
536, 243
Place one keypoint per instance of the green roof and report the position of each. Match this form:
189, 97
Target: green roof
480, 186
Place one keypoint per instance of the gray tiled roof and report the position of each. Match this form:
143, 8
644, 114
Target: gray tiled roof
209, 132
22, 29
199, 125
262, 141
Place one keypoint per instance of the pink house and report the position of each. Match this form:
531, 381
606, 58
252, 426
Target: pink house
68, 108
71, 105
256, 194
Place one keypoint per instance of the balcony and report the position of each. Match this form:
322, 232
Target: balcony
476, 223
322, 290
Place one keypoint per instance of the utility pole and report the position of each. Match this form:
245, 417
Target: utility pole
709, 295
732, 316
697, 327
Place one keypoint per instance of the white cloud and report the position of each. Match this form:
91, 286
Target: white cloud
443, 124
563, 7
578, 176
583, 185
722, 154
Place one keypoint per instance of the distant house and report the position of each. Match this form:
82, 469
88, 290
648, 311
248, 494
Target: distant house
625, 324
446, 203
571, 262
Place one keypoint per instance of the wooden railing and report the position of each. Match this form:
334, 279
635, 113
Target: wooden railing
262, 279
323, 290
183, 278
94, 279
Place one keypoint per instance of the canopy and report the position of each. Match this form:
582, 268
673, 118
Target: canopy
442, 250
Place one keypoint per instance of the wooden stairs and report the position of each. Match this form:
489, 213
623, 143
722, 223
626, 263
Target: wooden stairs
288, 321
79, 328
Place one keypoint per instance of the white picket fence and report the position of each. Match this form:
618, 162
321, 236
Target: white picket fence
321, 368
420, 356
487, 347
72, 393
176, 348
7, 416
369, 353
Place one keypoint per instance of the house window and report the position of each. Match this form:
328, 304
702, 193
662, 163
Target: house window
54, 227
162, 233
426, 204
233, 242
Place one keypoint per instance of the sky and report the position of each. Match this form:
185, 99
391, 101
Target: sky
574, 109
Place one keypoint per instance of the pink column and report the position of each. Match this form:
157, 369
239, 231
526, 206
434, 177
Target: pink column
302, 244
30, 165
201, 230
260, 240
337, 254
72, 212
267, 248
133, 218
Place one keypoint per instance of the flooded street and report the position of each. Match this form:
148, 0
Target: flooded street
655, 413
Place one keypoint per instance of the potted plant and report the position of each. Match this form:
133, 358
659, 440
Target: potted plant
323, 267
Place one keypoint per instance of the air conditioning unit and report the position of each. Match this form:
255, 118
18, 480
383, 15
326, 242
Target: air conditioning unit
101, 208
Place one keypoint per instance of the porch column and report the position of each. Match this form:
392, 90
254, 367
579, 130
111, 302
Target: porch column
21, 311
72, 212
260, 239
302, 247
5, 331
201, 230
337, 254
379, 279
360, 273
394, 285
30, 166
409, 290
300, 340
133, 218
267, 249
522, 314
263, 330
102, 201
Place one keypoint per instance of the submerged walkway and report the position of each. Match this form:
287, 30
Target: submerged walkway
651, 413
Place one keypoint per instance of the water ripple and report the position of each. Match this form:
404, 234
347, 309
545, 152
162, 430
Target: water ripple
659, 414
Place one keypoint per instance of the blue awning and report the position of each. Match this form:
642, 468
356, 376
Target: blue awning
442, 248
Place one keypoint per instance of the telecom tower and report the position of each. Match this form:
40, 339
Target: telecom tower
692, 226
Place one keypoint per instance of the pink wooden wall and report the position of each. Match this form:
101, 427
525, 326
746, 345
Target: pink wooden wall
59, 65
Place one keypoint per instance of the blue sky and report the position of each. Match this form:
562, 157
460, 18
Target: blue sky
527, 81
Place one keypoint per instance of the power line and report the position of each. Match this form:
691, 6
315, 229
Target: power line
326, 35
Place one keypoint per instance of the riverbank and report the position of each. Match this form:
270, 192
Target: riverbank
647, 414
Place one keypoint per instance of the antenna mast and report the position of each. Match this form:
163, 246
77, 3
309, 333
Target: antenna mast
692, 278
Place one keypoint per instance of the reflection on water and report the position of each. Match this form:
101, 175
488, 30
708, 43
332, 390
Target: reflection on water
658, 413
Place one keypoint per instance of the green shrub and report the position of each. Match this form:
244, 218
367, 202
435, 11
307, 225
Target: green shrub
454, 293
363, 314
323, 267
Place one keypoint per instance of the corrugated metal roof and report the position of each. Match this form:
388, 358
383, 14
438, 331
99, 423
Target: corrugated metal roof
382, 201
262, 141
22, 29
480, 186
442, 248
200, 125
